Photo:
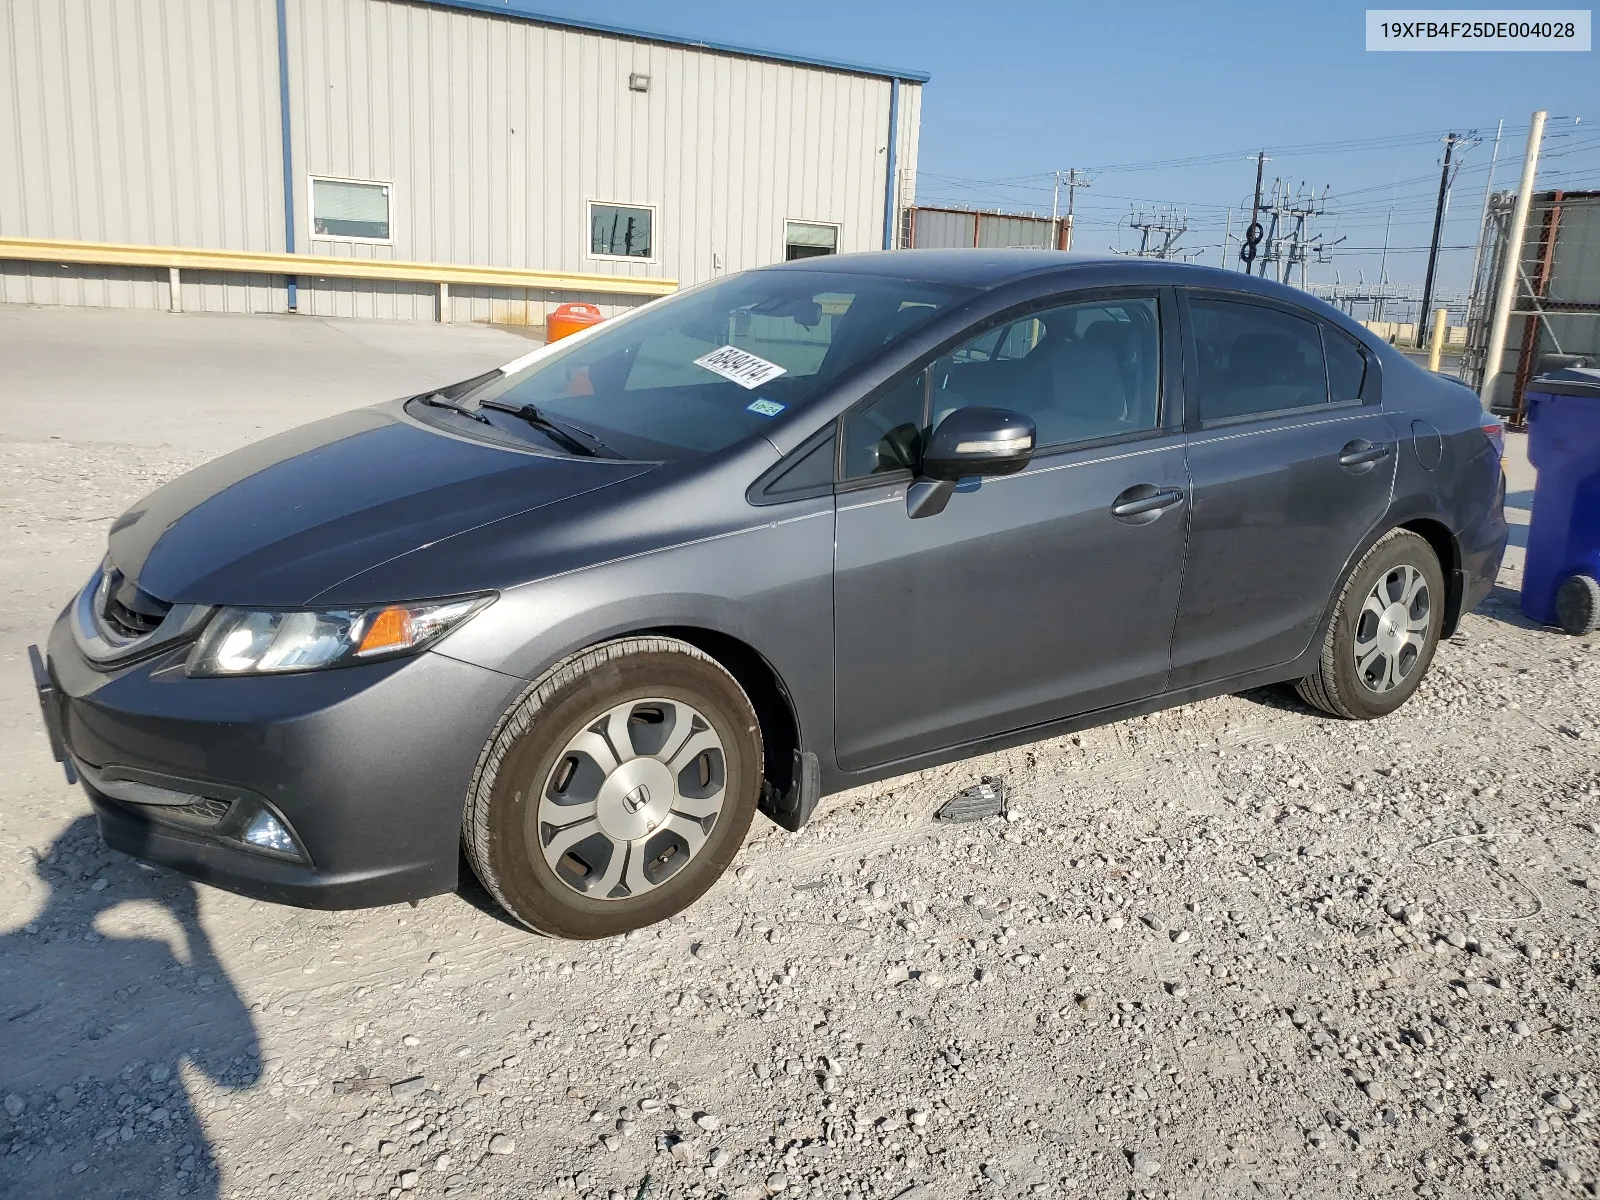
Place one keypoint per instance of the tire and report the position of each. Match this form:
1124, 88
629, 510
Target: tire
556, 795
1393, 659
1578, 605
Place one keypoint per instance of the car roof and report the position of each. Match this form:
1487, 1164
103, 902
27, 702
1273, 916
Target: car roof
987, 269
984, 268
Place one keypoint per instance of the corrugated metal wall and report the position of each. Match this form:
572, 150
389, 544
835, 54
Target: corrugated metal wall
496, 133
157, 121
939, 228
149, 121
946, 228
1016, 233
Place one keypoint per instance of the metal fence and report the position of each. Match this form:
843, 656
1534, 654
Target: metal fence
1557, 309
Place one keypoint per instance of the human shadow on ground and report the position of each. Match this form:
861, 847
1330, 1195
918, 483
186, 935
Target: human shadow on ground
95, 1025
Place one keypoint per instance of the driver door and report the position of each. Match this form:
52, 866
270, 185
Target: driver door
1027, 599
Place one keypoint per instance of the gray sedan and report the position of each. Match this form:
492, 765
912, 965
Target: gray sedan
782, 534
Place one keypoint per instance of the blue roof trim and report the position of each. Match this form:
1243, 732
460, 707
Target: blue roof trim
515, 9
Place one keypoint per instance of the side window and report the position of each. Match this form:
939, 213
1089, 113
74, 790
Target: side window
621, 231
809, 239
1347, 366
1255, 360
887, 434
1081, 371
349, 208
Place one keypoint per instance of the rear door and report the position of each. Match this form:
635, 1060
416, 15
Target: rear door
1028, 598
1293, 464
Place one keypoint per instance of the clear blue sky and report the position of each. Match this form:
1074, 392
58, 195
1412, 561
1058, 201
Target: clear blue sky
1023, 87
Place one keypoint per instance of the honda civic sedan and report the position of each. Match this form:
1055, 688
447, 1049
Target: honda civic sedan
778, 535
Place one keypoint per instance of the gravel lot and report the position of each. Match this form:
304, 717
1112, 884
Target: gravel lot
1232, 949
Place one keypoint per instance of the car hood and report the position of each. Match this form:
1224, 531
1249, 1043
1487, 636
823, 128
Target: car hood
281, 520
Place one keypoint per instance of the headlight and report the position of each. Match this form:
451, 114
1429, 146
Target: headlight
241, 641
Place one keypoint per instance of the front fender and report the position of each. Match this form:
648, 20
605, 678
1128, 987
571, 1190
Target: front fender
768, 586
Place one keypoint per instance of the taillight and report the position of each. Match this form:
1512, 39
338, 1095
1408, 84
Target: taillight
1495, 431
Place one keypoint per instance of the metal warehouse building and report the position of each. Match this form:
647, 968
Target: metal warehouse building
422, 159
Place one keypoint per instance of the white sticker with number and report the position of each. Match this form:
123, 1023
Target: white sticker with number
746, 369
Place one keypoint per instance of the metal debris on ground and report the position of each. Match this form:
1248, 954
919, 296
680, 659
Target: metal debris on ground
985, 799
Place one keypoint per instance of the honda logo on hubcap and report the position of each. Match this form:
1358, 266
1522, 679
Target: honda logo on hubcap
636, 799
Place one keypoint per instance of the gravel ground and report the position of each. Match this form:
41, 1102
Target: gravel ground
1236, 947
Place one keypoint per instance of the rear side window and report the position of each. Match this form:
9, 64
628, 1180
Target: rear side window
1347, 366
1255, 360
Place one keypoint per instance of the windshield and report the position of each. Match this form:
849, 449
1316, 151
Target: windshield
698, 372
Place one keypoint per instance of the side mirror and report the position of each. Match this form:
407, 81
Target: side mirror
978, 441
969, 442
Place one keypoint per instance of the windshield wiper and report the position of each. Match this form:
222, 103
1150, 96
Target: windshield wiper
570, 437
435, 400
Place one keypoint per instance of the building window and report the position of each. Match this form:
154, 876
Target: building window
621, 231
807, 239
350, 208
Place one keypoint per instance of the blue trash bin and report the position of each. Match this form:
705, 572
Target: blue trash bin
1561, 581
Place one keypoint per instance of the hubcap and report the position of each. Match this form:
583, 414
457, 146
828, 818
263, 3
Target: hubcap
1392, 629
632, 799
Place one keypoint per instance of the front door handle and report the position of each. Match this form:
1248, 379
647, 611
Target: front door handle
1144, 502
1362, 454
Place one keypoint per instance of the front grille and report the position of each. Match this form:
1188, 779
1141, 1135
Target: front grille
130, 612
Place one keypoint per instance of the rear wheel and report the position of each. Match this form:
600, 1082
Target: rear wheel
1384, 631
616, 790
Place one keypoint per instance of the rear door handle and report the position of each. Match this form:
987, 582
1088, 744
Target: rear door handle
1144, 502
1362, 454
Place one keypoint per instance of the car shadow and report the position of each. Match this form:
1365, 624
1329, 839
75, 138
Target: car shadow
100, 1011
474, 893
1282, 697
1504, 605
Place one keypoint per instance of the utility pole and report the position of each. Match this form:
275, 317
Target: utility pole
1253, 232
1227, 236
1511, 270
1076, 179
1483, 225
1383, 266
1450, 143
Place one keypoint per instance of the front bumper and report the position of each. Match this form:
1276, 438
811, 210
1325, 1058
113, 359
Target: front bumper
366, 765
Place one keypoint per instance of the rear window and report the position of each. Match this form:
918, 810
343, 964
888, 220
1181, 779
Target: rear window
699, 371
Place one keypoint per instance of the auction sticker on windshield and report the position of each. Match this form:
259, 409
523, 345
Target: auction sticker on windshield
746, 369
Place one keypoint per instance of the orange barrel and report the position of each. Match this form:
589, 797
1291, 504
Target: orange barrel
569, 318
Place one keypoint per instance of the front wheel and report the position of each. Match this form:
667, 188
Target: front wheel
1384, 631
616, 790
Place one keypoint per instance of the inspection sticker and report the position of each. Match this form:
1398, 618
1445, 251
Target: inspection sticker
764, 408
747, 370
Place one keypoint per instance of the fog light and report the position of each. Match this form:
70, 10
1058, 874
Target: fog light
268, 832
